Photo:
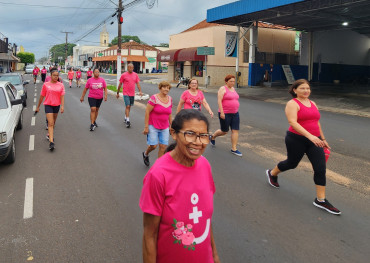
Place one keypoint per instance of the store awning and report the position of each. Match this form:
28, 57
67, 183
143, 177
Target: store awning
9, 57
168, 55
190, 54
131, 58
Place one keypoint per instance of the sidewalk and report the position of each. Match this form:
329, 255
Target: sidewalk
343, 101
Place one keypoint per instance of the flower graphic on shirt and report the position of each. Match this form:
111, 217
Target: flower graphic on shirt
183, 235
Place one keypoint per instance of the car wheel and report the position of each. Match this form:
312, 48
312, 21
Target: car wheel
20, 122
11, 156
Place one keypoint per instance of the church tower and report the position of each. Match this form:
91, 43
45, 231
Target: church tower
104, 37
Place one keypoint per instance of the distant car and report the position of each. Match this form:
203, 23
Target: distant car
85, 69
29, 69
17, 80
11, 119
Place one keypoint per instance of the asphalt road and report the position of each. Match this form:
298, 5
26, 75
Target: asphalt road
86, 192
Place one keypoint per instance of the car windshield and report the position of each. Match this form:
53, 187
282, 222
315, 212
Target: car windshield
3, 102
30, 66
14, 79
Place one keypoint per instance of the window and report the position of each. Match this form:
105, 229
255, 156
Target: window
198, 68
14, 79
3, 102
10, 93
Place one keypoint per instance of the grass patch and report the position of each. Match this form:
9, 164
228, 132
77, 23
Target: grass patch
112, 88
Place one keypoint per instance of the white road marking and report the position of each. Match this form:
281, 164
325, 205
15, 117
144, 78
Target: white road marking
31, 145
33, 121
28, 199
34, 100
34, 107
35, 94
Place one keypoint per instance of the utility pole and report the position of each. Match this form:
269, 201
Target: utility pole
66, 49
119, 59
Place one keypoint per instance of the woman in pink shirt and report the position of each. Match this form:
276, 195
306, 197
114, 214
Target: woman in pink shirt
53, 92
193, 98
304, 136
43, 74
35, 72
70, 76
158, 118
177, 197
89, 74
228, 113
78, 77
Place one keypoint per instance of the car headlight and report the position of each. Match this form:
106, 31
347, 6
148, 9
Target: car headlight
3, 137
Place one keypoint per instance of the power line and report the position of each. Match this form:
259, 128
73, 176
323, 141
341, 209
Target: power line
51, 6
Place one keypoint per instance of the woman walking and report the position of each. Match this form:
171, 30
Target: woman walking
89, 74
158, 119
71, 73
177, 197
193, 98
228, 114
96, 86
78, 78
53, 92
43, 73
305, 136
35, 72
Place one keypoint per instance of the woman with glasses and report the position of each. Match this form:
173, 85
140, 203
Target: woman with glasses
177, 197
158, 118
193, 98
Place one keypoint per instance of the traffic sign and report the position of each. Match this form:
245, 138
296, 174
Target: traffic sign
205, 50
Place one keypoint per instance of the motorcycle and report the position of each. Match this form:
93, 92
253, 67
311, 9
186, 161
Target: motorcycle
184, 81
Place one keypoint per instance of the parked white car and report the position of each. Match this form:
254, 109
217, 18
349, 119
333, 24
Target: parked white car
29, 69
11, 119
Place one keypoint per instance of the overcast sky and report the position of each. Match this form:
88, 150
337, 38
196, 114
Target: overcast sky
37, 25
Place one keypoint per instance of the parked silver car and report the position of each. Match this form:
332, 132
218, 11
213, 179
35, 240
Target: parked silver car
29, 69
17, 80
11, 119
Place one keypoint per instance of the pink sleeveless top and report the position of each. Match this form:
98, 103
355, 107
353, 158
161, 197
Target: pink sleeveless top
230, 101
308, 118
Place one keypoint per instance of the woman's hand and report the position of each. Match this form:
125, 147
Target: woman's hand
222, 116
82, 99
146, 131
105, 98
211, 113
37, 110
326, 144
61, 109
317, 141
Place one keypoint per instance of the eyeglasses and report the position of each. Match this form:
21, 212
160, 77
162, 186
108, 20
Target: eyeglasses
192, 137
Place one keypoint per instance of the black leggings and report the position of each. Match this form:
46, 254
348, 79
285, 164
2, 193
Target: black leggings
297, 146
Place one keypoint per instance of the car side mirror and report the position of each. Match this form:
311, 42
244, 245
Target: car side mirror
16, 102
26, 82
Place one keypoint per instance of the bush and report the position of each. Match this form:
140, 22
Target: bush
26, 57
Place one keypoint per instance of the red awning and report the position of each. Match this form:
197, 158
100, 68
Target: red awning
168, 55
190, 54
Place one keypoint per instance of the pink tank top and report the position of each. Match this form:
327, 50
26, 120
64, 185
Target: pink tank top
230, 101
308, 118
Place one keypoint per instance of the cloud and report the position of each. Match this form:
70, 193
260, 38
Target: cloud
36, 28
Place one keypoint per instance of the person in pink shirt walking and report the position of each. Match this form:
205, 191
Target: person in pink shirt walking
158, 119
53, 93
43, 73
177, 197
78, 78
35, 72
71, 73
128, 81
89, 74
96, 86
228, 113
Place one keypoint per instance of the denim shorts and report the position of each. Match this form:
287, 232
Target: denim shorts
231, 121
156, 136
129, 100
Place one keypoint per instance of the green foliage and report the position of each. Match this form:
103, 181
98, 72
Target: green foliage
59, 51
26, 57
126, 38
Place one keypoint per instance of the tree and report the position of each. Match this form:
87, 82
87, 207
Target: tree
164, 45
26, 57
59, 51
126, 38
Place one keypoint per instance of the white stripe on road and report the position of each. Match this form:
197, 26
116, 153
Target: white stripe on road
28, 199
35, 94
31, 145
34, 100
34, 107
33, 121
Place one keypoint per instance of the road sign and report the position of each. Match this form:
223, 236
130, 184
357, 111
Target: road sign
100, 54
205, 50
288, 74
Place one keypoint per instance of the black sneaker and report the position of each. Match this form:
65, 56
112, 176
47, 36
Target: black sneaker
272, 180
212, 141
146, 159
92, 127
326, 206
51, 146
128, 124
96, 125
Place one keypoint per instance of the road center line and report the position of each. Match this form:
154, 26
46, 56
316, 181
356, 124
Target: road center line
35, 94
28, 199
31, 145
33, 121
34, 107
34, 100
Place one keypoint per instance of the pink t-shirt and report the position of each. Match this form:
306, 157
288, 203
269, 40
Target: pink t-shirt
230, 101
70, 74
183, 198
35, 71
158, 117
192, 102
308, 118
48, 78
89, 73
129, 80
78, 74
52, 93
44, 71
96, 87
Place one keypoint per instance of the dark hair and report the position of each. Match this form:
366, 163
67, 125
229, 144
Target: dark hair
295, 85
52, 70
228, 77
183, 116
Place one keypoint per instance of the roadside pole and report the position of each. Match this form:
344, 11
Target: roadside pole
66, 49
119, 59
